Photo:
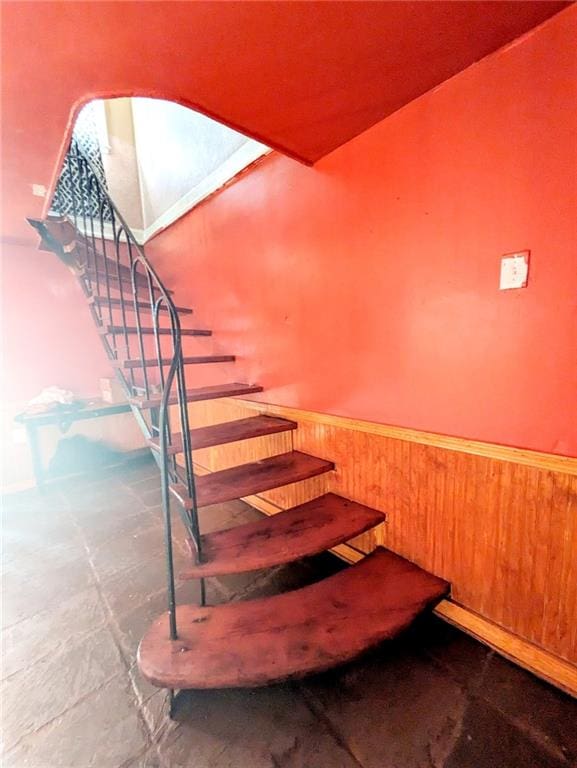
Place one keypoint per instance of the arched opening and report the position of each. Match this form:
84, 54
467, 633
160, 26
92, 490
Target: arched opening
156, 158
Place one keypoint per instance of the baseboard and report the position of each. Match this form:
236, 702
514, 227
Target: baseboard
541, 663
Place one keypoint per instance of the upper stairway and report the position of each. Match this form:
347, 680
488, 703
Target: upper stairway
254, 642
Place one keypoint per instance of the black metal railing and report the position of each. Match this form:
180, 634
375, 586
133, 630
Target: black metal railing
120, 282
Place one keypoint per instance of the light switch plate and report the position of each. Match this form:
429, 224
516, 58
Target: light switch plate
514, 270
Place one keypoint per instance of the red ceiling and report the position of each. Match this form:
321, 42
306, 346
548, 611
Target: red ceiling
303, 77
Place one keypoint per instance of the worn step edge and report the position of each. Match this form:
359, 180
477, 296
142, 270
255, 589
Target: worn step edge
228, 432
201, 393
194, 360
143, 306
290, 635
301, 531
149, 331
114, 283
254, 477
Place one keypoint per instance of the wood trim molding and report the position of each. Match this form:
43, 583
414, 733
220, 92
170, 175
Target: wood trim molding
541, 663
548, 461
245, 155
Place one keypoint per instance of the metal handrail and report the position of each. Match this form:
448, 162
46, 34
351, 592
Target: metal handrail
95, 267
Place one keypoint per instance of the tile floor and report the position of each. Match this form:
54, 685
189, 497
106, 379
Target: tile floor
83, 575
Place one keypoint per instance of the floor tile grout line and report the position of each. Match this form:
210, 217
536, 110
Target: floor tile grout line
317, 710
76, 641
65, 711
115, 632
517, 723
528, 733
8, 627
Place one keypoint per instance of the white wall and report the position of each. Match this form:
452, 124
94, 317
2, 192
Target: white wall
182, 157
121, 163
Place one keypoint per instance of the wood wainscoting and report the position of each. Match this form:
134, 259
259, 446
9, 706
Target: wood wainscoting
499, 523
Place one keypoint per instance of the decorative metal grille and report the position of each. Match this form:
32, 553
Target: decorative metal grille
71, 181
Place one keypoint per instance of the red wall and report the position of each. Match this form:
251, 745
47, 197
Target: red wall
304, 77
367, 286
47, 332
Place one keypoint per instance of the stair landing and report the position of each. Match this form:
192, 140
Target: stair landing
257, 642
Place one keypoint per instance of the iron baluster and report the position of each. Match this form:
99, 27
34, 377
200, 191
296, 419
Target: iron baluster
163, 441
103, 204
134, 275
68, 163
91, 181
95, 190
185, 430
116, 236
85, 265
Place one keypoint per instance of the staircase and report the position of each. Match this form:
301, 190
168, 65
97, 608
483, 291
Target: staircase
248, 643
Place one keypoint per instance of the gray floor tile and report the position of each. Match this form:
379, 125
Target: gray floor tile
260, 728
29, 557
26, 595
35, 696
51, 631
107, 525
130, 550
392, 708
489, 741
104, 730
85, 576
546, 714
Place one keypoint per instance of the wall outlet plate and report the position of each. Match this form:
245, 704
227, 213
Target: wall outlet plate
514, 270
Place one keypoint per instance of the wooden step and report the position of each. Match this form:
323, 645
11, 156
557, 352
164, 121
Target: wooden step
113, 267
194, 360
132, 329
99, 256
113, 279
229, 432
257, 642
126, 282
201, 393
143, 306
246, 479
299, 532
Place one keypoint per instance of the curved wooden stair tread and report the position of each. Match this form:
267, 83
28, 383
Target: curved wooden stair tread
255, 477
114, 282
143, 306
200, 393
308, 529
103, 264
290, 635
194, 360
148, 330
228, 432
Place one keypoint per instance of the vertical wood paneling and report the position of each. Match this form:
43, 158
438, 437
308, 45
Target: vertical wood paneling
504, 533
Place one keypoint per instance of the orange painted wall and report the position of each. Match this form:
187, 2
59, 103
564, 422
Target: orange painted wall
367, 286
